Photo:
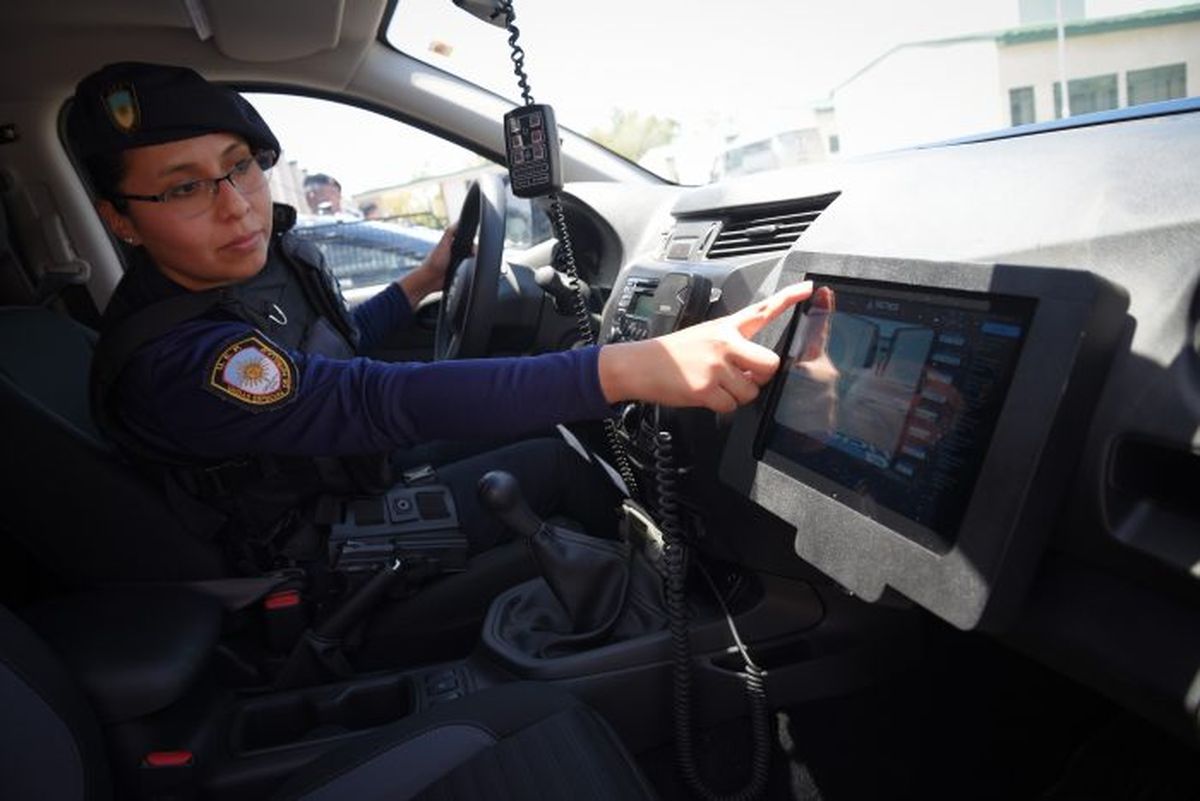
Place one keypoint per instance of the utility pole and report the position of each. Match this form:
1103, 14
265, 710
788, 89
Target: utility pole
1064, 89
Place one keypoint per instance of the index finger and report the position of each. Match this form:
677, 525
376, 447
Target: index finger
820, 315
750, 320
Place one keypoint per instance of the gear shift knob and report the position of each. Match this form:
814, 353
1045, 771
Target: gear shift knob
587, 576
500, 494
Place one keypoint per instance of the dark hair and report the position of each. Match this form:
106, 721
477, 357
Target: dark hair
321, 179
106, 171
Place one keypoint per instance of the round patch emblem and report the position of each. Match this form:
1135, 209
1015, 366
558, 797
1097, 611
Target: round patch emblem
252, 372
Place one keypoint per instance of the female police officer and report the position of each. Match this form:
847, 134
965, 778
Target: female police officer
236, 363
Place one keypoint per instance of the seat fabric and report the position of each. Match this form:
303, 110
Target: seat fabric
50, 743
514, 741
521, 741
131, 670
71, 499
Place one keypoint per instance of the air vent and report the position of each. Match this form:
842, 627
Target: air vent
764, 230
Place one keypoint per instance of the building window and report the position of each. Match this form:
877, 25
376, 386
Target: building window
834, 145
1098, 93
1156, 83
1020, 104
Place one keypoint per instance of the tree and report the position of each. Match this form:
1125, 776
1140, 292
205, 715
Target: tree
631, 134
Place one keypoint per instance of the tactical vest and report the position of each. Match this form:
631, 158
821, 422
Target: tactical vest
295, 302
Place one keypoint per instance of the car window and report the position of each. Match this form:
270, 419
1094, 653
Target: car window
693, 103
373, 193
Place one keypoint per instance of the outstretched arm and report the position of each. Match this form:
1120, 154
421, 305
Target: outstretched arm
714, 364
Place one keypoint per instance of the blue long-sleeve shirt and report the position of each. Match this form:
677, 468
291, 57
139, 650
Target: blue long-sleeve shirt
382, 313
345, 406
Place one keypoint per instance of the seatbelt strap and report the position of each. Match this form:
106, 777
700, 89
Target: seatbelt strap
119, 345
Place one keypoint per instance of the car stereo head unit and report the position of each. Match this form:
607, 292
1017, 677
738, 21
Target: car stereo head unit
635, 308
917, 407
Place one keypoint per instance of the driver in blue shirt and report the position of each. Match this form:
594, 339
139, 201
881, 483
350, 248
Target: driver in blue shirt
258, 363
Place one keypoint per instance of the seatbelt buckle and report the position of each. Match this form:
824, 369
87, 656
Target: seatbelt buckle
285, 617
167, 775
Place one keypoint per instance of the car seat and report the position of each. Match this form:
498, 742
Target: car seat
71, 500
514, 741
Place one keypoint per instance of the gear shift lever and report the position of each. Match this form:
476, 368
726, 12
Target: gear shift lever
587, 575
500, 494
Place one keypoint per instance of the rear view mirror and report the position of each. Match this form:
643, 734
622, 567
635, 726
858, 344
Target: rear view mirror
486, 10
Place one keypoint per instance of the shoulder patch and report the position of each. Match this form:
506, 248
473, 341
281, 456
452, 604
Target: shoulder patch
253, 373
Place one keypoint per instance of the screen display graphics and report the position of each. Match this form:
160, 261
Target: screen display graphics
643, 306
890, 398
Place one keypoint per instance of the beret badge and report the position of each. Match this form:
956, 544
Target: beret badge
121, 104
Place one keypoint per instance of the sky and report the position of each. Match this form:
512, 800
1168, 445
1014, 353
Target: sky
715, 66
688, 58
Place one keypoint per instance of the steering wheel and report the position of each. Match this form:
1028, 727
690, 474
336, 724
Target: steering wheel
464, 322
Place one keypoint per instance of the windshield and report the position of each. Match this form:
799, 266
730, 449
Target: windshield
696, 90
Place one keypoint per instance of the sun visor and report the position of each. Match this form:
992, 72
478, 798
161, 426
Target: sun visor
269, 30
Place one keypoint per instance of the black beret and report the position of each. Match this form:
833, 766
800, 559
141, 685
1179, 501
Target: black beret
132, 104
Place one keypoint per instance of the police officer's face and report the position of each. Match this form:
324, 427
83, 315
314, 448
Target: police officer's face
226, 243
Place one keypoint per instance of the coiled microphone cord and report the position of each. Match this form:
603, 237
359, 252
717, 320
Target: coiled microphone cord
675, 559
583, 320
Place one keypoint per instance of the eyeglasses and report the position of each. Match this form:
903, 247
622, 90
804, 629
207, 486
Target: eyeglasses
193, 198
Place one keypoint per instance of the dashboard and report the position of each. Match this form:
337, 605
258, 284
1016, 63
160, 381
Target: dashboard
993, 409
988, 418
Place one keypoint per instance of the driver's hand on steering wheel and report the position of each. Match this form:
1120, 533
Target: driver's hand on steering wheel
430, 276
713, 364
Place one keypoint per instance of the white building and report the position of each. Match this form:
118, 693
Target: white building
927, 91
287, 185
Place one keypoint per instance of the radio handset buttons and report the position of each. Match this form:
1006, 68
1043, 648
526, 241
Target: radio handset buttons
532, 147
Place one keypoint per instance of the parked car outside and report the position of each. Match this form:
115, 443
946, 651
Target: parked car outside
367, 253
